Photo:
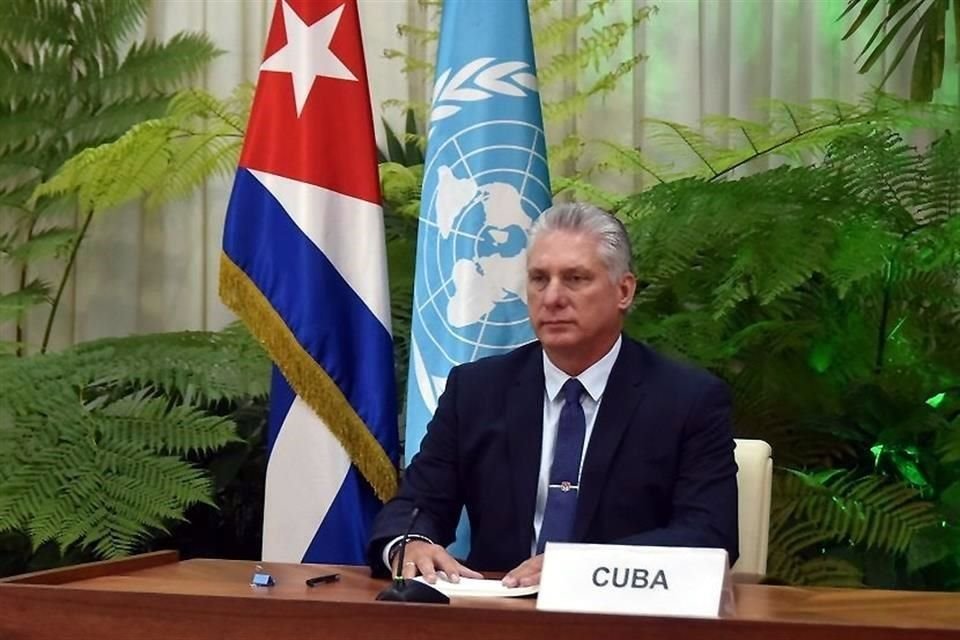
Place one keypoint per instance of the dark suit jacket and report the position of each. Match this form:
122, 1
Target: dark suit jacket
659, 468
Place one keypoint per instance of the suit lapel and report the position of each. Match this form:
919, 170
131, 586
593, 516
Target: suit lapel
621, 397
524, 422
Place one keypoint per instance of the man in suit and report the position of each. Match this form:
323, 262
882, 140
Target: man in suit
584, 435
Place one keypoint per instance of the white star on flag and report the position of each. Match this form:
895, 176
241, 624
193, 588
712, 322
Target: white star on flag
307, 53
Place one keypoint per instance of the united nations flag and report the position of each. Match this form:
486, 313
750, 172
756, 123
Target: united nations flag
485, 182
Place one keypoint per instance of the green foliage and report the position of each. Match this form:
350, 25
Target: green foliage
233, 527
594, 51
401, 177
97, 440
722, 146
405, 150
14, 304
868, 510
70, 79
826, 295
928, 28
161, 159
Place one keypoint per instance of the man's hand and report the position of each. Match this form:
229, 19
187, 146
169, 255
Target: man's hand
427, 559
526, 575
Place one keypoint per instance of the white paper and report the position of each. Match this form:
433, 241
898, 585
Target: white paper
476, 588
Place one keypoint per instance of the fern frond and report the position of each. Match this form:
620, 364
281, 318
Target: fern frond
113, 120
669, 135
153, 423
411, 64
567, 149
52, 242
815, 572
92, 451
556, 30
28, 21
861, 255
17, 166
583, 190
13, 197
940, 197
400, 185
230, 114
162, 159
198, 157
948, 442
23, 129
831, 572
418, 35
798, 133
25, 80
108, 20
626, 160
880, 170
15, 303
201, 367
593, 49
576, 102
866, 510
552, 30
153, 66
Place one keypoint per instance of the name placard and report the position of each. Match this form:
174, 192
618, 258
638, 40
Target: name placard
658, 581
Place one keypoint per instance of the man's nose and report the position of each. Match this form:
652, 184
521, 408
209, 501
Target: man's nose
553, 294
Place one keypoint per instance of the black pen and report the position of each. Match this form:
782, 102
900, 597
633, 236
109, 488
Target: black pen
330, 577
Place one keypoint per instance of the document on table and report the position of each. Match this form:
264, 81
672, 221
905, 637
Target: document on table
476, 588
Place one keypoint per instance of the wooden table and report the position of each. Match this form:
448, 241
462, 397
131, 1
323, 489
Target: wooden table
156, 596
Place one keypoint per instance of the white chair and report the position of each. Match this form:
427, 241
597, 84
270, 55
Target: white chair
754, 482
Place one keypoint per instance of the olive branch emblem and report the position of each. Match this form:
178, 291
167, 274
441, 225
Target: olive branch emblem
479, 80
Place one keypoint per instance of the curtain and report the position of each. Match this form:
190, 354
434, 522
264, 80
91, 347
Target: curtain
144, 271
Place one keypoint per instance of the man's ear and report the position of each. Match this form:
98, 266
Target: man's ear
627, 288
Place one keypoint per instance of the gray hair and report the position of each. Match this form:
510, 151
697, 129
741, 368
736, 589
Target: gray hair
613, 243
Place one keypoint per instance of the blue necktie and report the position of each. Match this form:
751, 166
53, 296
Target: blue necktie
565, 471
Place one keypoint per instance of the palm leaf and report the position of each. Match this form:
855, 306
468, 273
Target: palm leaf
929, 25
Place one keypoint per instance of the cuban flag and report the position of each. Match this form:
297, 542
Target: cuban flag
485, 182
304, 266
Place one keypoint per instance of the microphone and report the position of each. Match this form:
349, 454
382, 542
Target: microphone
403, 590
414, 514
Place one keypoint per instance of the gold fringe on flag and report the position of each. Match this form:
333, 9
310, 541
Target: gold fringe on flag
307, 377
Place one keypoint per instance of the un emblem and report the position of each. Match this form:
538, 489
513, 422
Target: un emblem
485, 183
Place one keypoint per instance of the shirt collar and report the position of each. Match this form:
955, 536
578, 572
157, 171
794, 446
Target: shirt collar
594, 378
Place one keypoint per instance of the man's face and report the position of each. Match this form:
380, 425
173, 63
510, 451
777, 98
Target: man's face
574, 304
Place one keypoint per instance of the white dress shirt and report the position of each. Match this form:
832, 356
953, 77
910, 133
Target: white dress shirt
594, 381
